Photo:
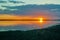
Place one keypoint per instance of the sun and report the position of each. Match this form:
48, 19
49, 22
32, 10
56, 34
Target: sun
41, 20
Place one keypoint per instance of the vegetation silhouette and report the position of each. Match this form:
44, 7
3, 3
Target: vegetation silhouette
51, 33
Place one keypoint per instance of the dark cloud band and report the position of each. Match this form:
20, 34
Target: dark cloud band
17, 1
12, 2
2, 1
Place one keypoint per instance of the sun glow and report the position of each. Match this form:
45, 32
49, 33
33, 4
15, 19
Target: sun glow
41, 20
21, 20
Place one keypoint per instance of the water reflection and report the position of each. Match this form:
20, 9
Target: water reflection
30, 23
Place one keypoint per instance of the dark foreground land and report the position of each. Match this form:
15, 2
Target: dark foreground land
51, 33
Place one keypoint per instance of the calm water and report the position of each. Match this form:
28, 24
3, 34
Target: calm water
26, 25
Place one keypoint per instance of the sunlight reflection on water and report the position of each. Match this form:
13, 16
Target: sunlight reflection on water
35, 24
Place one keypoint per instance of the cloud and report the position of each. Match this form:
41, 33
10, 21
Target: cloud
2, 1
2, 8
16, 1
30, 9
10, 3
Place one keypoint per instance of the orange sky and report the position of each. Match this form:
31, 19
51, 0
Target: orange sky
12, 23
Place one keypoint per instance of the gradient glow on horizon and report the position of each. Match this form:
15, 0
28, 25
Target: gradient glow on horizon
13, 23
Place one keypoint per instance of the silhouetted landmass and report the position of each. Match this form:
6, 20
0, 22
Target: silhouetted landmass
51, 33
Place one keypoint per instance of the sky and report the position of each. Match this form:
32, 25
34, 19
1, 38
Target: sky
25, 2
29, 8
42, 1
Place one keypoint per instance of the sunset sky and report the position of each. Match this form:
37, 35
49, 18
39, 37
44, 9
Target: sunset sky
17, 9
25, 2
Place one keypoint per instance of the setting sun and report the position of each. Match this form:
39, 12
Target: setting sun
41, 20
